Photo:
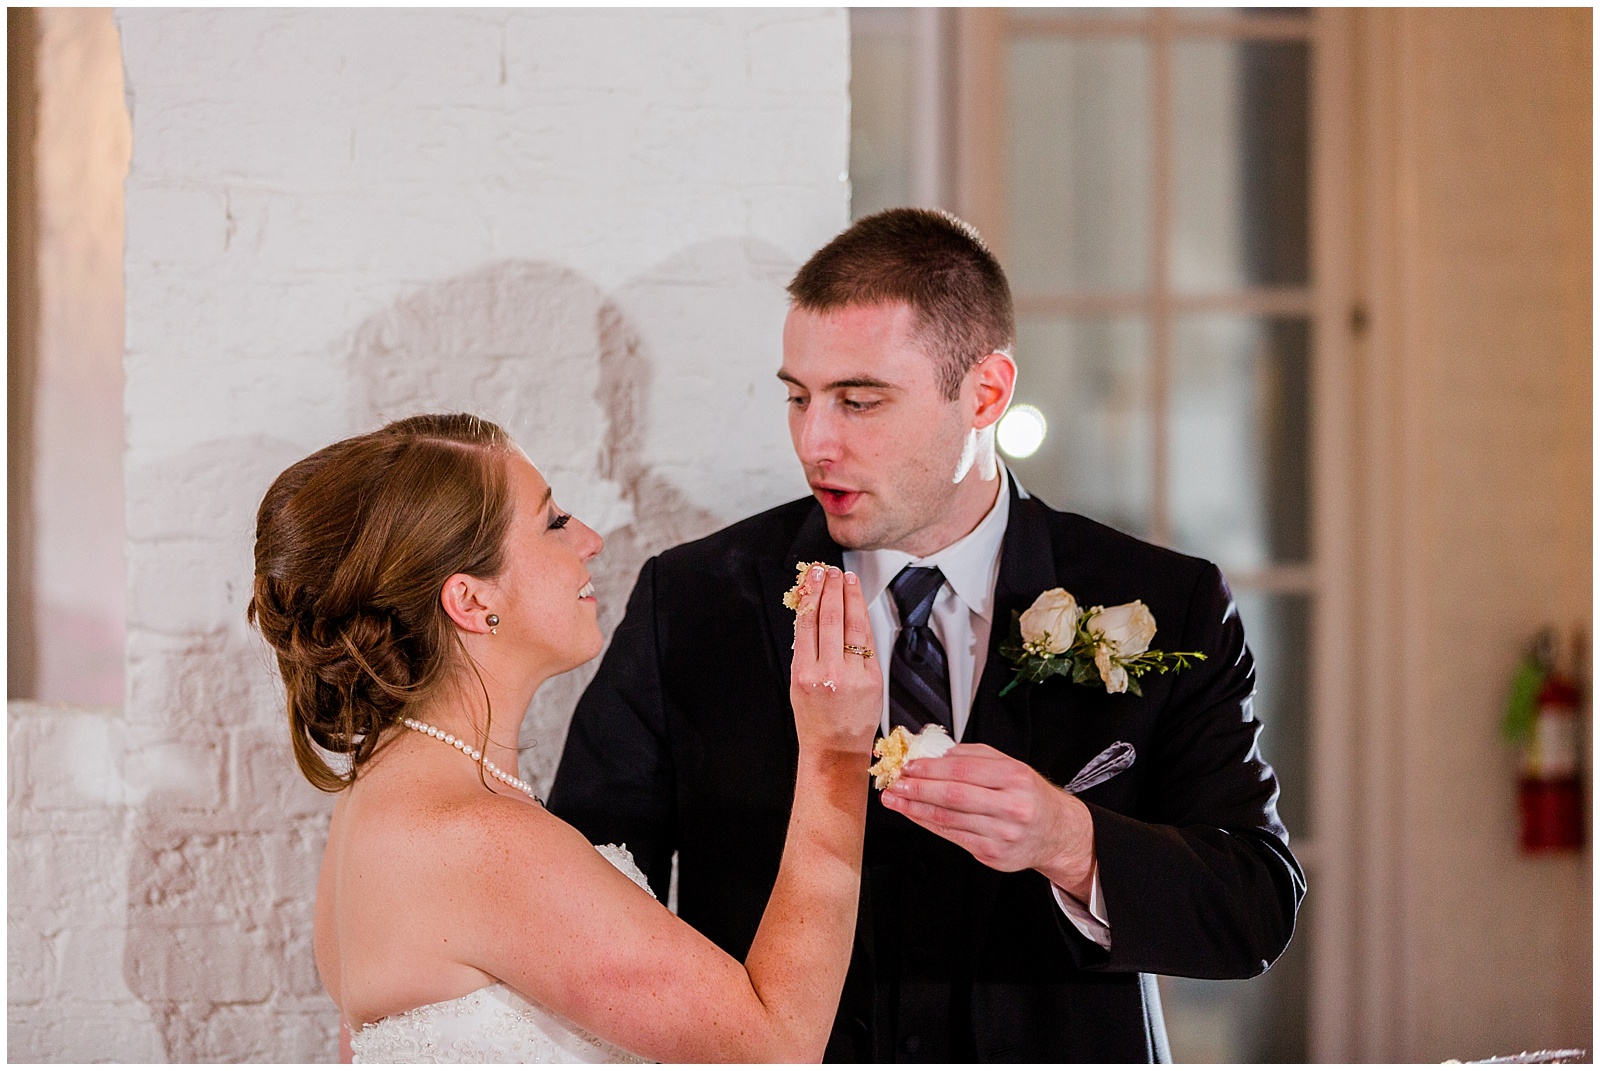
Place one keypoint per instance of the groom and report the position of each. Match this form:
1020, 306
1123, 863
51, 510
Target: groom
1002, 918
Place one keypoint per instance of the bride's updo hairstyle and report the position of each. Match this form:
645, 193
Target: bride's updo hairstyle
353, 547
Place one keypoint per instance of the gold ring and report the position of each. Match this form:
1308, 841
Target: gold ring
864, 652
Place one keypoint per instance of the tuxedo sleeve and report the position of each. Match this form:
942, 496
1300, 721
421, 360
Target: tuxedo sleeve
1202, 883
615, 781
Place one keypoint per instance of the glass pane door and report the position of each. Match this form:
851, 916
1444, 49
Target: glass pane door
1157, 234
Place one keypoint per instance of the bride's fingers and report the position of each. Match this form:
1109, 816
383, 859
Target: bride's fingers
830, 626
805, 620
857, 627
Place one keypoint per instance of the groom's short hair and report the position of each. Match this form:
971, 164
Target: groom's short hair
931, 261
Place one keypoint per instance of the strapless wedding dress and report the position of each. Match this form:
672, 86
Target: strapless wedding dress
492, 1025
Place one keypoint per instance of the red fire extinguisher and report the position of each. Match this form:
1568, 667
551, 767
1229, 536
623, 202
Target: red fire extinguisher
1543, 718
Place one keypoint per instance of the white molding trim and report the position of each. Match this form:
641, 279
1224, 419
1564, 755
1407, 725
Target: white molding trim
1376, 797
1373, 387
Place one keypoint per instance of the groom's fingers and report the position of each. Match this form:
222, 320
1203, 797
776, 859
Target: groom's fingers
945, 820
954, 797
975, 780
1023, 821
1006, 830
972, 764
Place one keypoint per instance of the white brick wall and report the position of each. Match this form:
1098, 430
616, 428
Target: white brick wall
70, 821
577, 223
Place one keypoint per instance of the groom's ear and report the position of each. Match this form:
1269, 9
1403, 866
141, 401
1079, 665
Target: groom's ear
465, 600
993, 379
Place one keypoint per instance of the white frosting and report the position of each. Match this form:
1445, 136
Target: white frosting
932, 742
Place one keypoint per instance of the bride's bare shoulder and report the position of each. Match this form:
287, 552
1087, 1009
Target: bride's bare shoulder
422, 825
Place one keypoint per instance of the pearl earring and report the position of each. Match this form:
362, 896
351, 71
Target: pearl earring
492, 620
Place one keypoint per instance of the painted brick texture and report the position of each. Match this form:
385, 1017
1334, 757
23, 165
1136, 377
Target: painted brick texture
576, 223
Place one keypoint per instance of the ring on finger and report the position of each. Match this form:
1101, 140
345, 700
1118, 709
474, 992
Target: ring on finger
864, 652
832, 687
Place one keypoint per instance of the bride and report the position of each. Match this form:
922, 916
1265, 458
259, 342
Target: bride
418, 584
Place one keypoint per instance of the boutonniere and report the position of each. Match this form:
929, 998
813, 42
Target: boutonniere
1054, 637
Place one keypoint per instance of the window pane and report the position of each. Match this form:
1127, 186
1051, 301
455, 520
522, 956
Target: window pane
1240, 128
1239, 453
880, 121
1090, 379
1254, 1020
1078, 174
1278, 629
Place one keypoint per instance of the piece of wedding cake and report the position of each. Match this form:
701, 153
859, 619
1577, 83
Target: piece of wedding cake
900, 747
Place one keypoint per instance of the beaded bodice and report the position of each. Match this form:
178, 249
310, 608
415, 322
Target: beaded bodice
495, 1024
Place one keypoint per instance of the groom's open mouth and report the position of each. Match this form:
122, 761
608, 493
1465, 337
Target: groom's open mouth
587, 591
836, 500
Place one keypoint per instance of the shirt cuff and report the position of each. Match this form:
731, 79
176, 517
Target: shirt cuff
1089, 920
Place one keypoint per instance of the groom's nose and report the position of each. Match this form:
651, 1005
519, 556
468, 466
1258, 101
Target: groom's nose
816, 436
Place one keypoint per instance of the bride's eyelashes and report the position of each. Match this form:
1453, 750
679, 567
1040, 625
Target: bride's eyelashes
559, 521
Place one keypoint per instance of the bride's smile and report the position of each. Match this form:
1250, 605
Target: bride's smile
543, 598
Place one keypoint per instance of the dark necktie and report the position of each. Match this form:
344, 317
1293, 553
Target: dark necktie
919, 675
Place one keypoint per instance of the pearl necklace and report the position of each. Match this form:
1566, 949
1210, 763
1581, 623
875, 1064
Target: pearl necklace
474, 754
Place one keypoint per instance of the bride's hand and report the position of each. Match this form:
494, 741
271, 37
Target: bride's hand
837, 693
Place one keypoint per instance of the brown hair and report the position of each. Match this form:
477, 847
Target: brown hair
931, 261
353, 546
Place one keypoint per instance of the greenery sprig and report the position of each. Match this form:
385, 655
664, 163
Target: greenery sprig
1106, 646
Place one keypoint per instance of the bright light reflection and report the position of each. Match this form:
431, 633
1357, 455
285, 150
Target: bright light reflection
1021, 431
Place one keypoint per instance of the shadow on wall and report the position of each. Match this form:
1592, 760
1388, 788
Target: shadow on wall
223, 870
541, 351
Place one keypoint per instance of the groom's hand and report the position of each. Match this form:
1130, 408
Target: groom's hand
1002, 811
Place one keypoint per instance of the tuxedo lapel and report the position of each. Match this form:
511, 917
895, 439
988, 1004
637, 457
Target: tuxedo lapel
1027, 567
811, 544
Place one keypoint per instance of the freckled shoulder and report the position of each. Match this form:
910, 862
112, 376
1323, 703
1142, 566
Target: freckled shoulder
435, 836
486, 826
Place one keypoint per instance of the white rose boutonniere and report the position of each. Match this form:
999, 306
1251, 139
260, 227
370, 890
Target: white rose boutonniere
1124, 632
1105, 645
1051, 624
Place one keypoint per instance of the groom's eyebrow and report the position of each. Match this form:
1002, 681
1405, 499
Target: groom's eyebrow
863, 382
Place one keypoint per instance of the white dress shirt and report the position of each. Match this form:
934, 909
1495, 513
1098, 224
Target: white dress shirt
962, 618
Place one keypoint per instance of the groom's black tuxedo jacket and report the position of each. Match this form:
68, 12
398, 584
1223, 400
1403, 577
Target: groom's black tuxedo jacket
685, 742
